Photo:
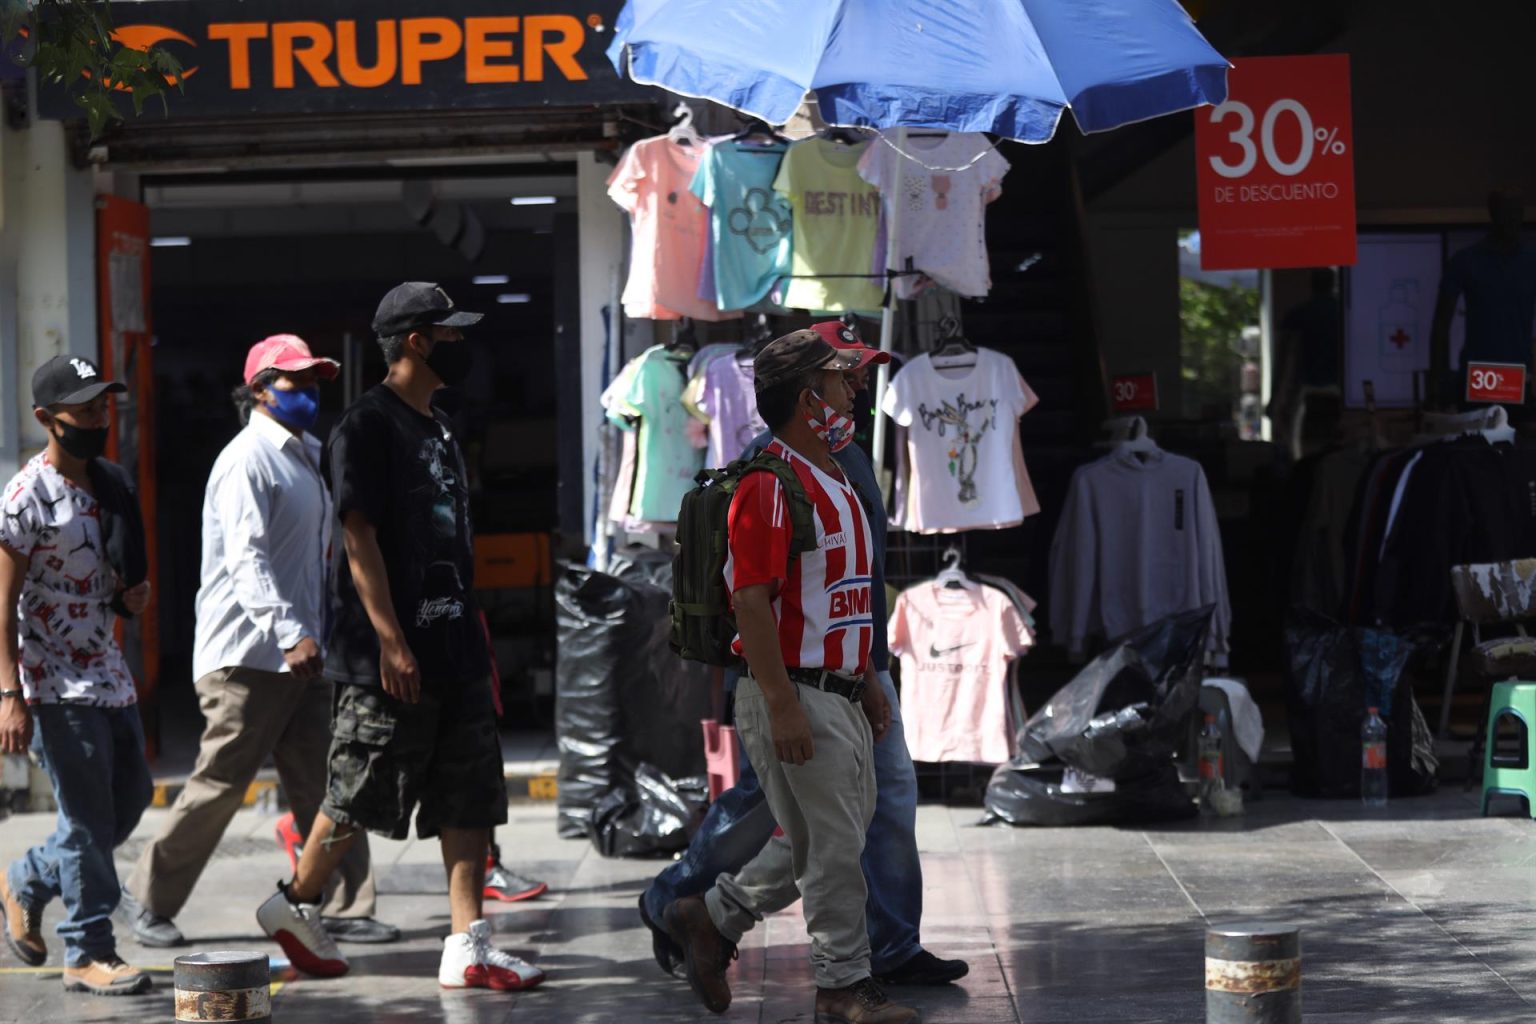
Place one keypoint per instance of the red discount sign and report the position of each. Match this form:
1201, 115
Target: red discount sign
1501, 383
1274, 166
1133, 392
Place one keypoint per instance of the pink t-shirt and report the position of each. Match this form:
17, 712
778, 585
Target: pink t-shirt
669, 227
955, 646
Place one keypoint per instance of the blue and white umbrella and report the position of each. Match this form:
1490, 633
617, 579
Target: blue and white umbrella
1009, 67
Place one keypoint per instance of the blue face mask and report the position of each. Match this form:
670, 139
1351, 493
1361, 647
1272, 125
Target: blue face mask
298, 408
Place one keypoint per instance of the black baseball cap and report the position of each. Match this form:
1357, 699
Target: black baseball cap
418, 304
70, 380
795, 353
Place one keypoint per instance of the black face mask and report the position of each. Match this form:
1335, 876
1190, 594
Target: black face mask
81, 442
451, 361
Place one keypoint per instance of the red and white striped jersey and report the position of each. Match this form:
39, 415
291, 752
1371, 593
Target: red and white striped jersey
822, 602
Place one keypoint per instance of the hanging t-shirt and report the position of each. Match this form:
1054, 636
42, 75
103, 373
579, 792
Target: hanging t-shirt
749, 222
668, 224
404, 472
727, 397
836, 225
955, 645
961, 443
666, 461
942, 187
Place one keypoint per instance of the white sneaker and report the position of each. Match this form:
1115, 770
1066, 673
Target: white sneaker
470, 961
296, 927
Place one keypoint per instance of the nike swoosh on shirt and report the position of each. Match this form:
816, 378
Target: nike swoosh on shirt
934, 652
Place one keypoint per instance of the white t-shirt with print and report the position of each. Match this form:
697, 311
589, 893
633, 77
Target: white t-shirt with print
68, 653
942, 187
962, 443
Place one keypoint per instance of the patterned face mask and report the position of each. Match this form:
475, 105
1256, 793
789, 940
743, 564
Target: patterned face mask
833, 427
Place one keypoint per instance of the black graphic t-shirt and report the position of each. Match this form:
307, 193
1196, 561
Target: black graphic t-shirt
403, 471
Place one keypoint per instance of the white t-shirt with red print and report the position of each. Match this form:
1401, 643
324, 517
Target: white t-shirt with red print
68, 654
955, 646
822, 597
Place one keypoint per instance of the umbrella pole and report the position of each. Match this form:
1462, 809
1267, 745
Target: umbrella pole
887, 326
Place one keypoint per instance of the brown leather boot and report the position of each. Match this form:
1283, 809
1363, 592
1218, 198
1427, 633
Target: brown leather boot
23, 927
706, 953
108, 976
863, 1002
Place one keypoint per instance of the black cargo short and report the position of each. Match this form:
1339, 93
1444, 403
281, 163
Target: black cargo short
442, 755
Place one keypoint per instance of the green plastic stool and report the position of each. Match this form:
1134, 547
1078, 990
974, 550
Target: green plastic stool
1511, 774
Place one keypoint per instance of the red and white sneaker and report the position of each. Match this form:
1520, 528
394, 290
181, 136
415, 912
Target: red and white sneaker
470, 961
290, 840
507, 886
296, 927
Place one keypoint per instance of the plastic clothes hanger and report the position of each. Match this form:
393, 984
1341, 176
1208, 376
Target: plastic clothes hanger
1136, 438
952, 576
956, 351
683, 132
757, 129
1497, 429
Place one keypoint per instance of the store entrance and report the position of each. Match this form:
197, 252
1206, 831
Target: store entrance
238, 258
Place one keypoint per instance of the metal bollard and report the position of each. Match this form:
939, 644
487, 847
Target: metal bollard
228, 985
1253, 974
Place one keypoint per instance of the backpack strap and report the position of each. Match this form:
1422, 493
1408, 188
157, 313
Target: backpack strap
801, 516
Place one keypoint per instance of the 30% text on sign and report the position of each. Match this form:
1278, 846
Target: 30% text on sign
1133, 392
1500, 383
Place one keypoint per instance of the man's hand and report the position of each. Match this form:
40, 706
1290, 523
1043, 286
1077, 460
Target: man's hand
136, 599
876, 708
304, 660
15, 726
399, 672
791, 732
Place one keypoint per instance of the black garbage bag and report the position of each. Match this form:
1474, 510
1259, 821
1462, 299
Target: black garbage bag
1034, 795
1125, 714
1335, 672
622, 698
657, 816
1121, 718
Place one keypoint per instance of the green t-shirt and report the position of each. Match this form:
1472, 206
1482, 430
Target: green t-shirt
837, 224
667, 460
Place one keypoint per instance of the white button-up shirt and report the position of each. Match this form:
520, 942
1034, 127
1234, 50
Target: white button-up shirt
266, 548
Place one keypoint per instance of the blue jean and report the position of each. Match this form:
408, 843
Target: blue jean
740, 823
101, 782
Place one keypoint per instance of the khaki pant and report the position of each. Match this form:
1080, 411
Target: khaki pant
251, 714
824, 807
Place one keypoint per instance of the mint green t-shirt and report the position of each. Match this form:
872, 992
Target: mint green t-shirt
667, 460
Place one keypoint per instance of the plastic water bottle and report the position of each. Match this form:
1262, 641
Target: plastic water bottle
1373, 760
1213, 779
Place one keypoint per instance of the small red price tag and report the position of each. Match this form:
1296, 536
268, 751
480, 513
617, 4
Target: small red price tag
1500, 383
1133, 392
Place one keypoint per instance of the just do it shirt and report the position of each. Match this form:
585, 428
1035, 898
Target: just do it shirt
956, 644
836, 228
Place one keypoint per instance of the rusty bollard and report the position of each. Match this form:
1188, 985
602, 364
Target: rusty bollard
1253, 974
229, 985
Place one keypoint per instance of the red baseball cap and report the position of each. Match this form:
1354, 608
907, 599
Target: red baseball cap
840, 336
288, 353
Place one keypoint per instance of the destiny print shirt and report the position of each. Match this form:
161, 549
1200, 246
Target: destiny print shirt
837, 227
67, 651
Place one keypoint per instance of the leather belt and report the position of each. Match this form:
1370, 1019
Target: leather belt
829, 682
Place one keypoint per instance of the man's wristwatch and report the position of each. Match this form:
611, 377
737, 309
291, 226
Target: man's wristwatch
17, 694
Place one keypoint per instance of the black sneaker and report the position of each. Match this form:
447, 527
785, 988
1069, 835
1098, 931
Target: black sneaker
924, 969
149, 928
668, 954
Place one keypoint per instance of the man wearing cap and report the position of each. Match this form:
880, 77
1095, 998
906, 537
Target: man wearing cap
259, 648
65, 689
414, 723
810, 708
735, 851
